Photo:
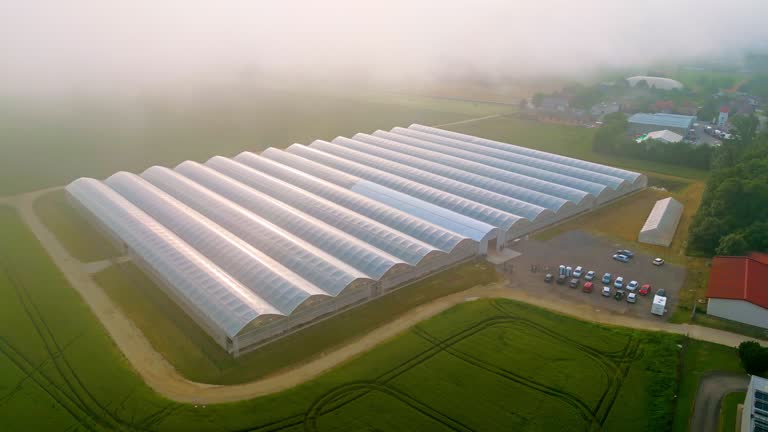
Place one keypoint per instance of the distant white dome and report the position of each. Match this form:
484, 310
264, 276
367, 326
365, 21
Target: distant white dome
657, 82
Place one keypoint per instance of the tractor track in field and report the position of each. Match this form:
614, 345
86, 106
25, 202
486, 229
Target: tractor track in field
74, 396
341, 396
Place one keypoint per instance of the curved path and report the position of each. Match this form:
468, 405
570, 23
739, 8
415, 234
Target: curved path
712, 389
164, 379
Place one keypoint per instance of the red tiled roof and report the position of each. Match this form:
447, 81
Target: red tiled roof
725, 109
740, 278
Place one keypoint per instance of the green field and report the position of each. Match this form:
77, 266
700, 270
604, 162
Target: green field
728, 411
98, 141
484, 365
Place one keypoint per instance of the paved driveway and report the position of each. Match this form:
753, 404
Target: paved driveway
709, 397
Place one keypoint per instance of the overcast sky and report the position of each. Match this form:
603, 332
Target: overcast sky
53, 44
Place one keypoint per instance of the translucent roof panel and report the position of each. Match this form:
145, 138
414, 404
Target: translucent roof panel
364, 257
260, 273
495, 200
392, 151
309, 262
400, 144
421, 226
431, 234
461, 205
606, 170
612, 182
473, 229
215, 294
471, 152
368, 231
664, 215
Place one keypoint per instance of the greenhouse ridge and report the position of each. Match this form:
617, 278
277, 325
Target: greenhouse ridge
256, 246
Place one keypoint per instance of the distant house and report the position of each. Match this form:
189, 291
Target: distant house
738, 289
655, 82
662, 135
602, 109
722, 117
641, 123
663, 106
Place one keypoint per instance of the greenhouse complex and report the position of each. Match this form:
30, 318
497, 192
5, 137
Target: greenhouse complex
258, 246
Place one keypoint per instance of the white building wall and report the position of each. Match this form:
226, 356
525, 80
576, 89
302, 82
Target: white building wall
738, 310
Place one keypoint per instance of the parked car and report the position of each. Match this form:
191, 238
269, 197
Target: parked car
645, 289
627, 253
618, 295
548, 278
622, 258
590, 275
587, 287
578, 271
607, 278
606, 291
661, 292
619, 282
632, 298
573, 283
632, 285
658, 261
560, 280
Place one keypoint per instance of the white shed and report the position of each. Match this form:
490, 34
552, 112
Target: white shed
660, 227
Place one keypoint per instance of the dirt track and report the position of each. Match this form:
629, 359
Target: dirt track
164, 379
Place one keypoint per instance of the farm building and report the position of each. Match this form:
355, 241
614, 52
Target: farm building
754, 418
666, 136
660, 227
738, 289
642, 123
257, 246
655, 82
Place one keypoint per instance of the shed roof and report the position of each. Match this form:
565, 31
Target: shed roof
740, 278
663, 120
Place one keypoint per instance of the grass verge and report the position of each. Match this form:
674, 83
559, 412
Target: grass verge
197, 357
728, 411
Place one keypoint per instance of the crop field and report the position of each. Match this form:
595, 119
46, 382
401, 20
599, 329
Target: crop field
483, 365
98, 141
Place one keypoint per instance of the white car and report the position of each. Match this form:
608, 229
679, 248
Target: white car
590, 275
658, 262
632, 298
619, 282
632, 285
578, 271
606, 291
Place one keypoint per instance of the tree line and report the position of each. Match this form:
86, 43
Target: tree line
733, 217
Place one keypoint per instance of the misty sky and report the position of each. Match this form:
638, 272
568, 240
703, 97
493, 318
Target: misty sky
53, 44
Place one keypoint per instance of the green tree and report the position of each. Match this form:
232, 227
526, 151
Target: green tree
754, 358
732, 245
537, 99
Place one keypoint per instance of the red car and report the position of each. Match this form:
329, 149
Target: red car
587, 287
645, 289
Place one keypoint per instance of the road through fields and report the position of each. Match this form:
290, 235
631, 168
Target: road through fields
163, 378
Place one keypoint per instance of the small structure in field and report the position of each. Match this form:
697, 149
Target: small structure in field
660, 227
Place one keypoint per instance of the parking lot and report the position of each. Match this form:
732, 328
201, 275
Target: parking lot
577, 248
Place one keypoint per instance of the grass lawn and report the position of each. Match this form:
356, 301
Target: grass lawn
565, 140
483, 365
698, 359
73, 230
728, 411
702, 318
197, 357
97, 141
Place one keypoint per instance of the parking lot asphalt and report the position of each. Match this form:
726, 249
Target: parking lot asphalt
578, 248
